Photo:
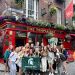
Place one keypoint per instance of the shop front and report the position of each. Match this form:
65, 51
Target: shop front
18, 34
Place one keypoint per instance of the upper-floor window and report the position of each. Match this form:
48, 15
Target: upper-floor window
73, 1
73, 19
59, 16
31, 8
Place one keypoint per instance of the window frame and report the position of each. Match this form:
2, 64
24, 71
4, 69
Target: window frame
59, 16
34, 15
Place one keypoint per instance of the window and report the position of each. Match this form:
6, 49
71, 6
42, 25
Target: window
59, 16
31, 8
74, 22
74, 8
73, 19
35, 38
73, 42
73, 1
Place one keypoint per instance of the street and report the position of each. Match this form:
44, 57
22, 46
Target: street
70, 69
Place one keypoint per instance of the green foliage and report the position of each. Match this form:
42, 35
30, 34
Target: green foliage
52, 10
7, 43
49, 35
60, 27
38, 23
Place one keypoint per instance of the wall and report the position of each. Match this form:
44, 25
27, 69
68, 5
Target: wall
45, 4
10, 38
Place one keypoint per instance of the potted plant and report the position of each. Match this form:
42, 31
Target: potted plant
52, 10
60, 27
49, 35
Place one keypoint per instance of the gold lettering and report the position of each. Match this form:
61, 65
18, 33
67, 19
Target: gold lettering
43, 30
31, 29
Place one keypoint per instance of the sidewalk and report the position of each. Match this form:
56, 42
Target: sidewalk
2, 67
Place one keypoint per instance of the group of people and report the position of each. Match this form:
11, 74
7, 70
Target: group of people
50, 56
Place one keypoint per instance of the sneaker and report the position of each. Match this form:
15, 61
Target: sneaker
52, 73
56, 71
64, 72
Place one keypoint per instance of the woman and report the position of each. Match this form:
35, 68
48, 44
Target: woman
51, 61
37, 47
11, 62
6, 56
63, 56
44, 59
19, 59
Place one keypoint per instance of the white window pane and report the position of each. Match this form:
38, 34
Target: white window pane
30, 12
59, 16
31, 16
31, 4
74, 23
31, 8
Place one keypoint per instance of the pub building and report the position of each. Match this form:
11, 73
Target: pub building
17, 34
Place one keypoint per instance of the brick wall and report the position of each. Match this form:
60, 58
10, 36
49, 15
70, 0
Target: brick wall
44, 4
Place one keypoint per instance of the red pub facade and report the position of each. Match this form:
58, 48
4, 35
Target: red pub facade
18, 34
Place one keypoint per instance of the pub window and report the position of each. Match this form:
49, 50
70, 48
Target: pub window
73, 19
21, 27
73, 43
33, 37
59, 41
8, 25
39, 38
20, 34
36, 38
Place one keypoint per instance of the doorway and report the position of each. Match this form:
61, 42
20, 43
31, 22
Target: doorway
20, 41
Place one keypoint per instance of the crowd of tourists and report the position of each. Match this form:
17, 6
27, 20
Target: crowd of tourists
50, 58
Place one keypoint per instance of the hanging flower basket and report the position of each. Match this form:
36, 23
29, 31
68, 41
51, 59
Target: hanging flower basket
52, 10
60, 27
49, 35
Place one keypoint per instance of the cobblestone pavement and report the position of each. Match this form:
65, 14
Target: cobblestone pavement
70, 69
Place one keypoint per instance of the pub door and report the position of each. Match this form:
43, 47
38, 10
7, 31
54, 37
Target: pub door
19, 41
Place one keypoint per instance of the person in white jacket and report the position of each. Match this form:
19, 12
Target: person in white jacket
11, 63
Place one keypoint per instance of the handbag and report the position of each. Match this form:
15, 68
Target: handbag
62, 57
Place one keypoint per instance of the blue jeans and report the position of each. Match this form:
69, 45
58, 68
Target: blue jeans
12, 67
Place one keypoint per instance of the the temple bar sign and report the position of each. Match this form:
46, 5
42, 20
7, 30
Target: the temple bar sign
42, 30
39, 30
